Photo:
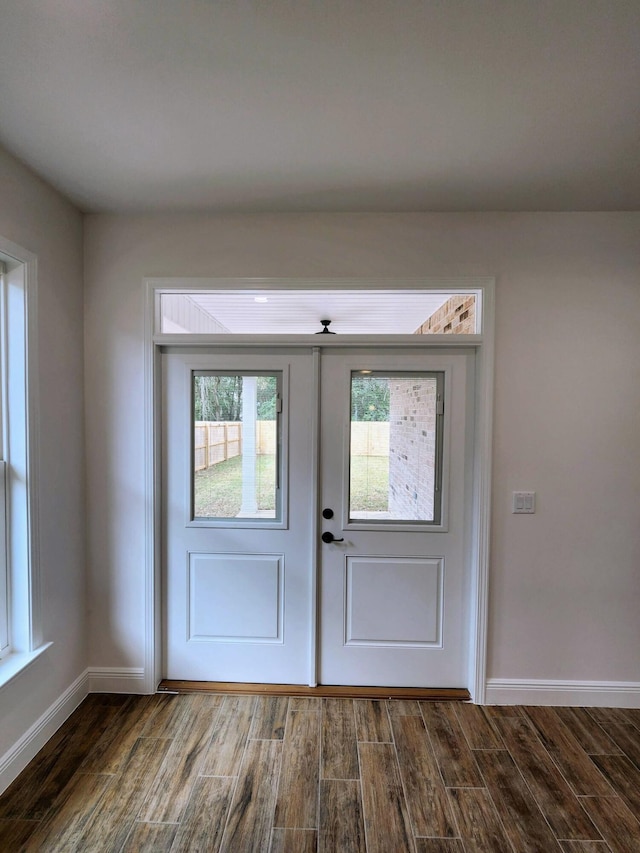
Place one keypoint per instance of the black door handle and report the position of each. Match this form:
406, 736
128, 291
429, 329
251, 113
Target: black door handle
328, 536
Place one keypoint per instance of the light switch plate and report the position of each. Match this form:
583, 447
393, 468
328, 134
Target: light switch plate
524, 502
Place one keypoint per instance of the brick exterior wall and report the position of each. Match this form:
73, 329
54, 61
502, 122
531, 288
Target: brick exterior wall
456, 317
412, 442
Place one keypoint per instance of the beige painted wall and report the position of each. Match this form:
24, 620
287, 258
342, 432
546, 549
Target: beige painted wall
565, 586
36, 218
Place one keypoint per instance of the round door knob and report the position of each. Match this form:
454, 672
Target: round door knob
327, 513
328, 537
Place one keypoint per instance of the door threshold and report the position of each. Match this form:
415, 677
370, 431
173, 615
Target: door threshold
333, 691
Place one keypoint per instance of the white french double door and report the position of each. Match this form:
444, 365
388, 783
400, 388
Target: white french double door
316, 516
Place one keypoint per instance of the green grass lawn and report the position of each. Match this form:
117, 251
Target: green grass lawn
218, 490
369, 484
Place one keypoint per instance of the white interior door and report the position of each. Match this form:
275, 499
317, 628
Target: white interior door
237, 532
393, 603
239, 536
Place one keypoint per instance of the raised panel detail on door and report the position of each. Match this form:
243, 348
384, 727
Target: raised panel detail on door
393, 601
236, 597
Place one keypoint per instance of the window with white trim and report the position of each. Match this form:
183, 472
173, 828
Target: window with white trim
4, 575
20, 606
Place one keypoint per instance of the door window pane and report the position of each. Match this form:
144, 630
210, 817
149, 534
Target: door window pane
235, 445
396, 446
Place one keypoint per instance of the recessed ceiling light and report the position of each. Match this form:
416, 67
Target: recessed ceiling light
260, 299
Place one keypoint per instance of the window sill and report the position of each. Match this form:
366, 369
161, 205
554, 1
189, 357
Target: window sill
17, 662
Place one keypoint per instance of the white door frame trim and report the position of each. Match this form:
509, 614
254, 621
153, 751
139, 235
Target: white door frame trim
484, 288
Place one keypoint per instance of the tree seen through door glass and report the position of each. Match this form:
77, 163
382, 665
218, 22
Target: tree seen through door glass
235, 458
394, 447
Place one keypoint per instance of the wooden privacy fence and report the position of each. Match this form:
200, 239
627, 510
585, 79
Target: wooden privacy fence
370, 438
217, 441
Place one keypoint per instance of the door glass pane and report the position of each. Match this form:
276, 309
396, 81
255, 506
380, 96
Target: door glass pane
235, 445
395, 446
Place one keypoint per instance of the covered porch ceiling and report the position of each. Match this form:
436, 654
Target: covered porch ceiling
295, 312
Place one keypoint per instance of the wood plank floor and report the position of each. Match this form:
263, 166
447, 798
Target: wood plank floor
243, 774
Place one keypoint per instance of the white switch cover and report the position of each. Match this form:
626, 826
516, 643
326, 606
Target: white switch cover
524, 502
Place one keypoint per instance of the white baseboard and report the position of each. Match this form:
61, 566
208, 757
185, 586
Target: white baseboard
16, 759
594, 694
107, 679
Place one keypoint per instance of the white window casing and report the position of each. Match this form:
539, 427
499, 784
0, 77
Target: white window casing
21, 633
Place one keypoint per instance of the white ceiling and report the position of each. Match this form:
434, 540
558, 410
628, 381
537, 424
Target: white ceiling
311, 105
299, 312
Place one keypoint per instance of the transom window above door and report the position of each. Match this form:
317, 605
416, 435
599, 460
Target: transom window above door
308, 311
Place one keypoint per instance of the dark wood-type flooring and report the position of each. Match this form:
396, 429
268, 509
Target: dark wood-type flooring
294, 775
